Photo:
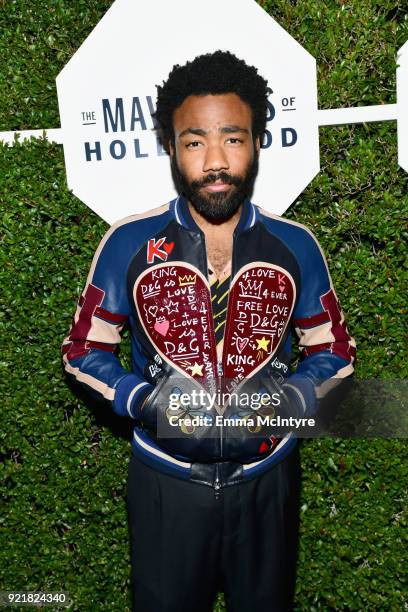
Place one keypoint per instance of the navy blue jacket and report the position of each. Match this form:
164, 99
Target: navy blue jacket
150, 272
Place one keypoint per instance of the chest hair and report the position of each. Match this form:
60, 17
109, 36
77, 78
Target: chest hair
219, 255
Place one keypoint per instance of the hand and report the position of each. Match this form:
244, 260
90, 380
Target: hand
167, 417
253, 418
144, 401
166, 409
148, 409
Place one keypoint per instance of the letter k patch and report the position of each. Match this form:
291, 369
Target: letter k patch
154, 250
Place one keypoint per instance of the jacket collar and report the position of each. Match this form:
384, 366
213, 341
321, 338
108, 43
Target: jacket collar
181, 211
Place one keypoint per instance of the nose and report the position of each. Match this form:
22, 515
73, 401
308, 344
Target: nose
215, 159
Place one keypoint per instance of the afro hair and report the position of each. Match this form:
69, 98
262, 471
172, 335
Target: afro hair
212, 73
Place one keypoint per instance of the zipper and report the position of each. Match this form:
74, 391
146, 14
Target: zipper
217, 483
228, 317
220, 387
220, 364
219, 367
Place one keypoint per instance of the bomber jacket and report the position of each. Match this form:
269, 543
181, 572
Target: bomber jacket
151, 272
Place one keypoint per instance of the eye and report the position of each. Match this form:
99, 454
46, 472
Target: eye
193, 145
234, 140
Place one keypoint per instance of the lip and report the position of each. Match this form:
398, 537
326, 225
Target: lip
215, 187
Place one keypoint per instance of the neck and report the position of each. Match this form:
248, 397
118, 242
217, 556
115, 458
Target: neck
210, 228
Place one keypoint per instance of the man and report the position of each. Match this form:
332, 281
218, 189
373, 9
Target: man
213, 288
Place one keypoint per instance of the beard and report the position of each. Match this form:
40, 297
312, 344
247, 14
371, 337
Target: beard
218, 206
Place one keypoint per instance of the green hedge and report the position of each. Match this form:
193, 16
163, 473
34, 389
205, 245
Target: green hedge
64, 463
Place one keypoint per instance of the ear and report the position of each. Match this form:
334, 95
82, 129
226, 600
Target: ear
257, 144
172, 150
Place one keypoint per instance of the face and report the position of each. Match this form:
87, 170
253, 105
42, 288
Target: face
214, 157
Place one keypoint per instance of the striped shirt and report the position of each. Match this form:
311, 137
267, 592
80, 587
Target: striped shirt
219, 299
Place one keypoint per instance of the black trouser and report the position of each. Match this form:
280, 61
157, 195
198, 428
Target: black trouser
186, 544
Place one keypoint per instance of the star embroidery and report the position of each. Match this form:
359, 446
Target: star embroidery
262, 344
196, 369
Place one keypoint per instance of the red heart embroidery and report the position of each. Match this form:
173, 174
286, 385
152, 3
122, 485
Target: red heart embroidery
162, 327
261, 301
241, 343
185, 329
168, 247
263, 448
258, 314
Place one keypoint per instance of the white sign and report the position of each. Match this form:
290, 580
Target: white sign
107, 95
402, 104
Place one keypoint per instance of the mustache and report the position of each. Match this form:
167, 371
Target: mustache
229, 179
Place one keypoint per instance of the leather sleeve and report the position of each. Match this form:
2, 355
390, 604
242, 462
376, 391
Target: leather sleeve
89, 350
327, 349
